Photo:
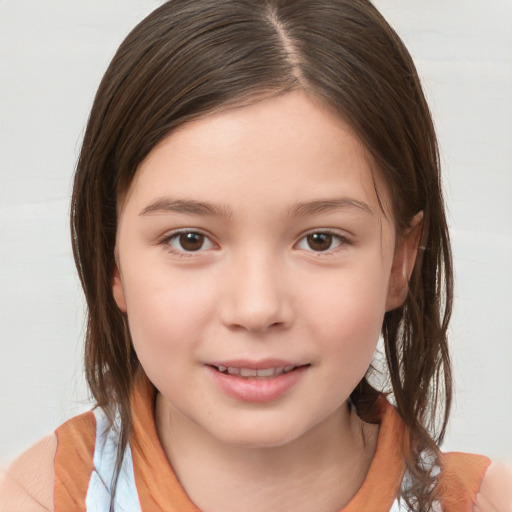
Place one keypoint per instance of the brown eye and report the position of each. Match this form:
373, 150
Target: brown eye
189, 241
322, 241
319, 241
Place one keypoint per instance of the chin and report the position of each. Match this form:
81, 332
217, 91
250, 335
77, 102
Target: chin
255, 434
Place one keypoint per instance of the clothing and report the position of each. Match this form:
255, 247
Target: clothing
87, 448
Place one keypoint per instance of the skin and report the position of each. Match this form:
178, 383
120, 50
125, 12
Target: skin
257, 288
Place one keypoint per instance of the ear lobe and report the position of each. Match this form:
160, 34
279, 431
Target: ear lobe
118, 290
403, 263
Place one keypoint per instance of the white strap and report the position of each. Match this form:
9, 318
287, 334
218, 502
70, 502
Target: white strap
105, 452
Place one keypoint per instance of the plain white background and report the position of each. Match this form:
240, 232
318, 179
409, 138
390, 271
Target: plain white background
52, 56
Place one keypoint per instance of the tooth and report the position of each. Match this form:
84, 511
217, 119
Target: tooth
278, 371
288, 368
248, 372
233, 371
221, 368
268, 372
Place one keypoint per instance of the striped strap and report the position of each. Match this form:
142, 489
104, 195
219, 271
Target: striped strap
74, 462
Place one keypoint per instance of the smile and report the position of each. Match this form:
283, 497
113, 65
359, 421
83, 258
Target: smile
262, 381
259, 373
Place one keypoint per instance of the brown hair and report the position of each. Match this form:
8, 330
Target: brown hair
193, 57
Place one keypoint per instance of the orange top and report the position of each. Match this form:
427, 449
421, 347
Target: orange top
158, 488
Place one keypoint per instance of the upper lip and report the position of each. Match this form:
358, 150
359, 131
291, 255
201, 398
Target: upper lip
262, 364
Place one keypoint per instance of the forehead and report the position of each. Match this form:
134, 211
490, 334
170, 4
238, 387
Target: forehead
283, 149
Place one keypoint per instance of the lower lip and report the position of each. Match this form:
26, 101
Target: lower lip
257, 389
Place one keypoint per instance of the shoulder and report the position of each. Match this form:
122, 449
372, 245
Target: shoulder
473, 483
495, 493
27, 484
55, 471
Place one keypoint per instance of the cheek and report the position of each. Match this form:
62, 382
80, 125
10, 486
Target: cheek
167, 312
349, 312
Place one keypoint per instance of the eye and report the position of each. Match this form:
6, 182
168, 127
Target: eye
321, 241
188, 241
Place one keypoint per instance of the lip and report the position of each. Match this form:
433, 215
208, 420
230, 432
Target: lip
262, 364
256, 389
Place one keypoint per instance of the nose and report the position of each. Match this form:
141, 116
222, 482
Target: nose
256, 296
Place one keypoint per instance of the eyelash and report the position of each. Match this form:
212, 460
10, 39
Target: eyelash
167, 241
341, 240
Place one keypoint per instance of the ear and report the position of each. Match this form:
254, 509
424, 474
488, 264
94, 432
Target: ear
403, 263
118, 290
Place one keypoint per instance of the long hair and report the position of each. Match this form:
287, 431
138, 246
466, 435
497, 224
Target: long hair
190, 58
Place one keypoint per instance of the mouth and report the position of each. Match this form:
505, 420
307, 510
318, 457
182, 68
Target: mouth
256, 373
257, 381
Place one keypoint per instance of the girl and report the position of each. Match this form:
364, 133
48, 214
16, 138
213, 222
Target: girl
257, 200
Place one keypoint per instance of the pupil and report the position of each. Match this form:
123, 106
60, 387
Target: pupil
191, 241
320, 241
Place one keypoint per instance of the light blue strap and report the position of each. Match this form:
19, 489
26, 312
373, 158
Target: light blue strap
398, 506
105, 452
401, 507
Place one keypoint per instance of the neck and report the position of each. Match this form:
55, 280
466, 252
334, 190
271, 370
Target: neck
320, 470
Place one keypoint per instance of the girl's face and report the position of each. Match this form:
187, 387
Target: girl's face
255, 266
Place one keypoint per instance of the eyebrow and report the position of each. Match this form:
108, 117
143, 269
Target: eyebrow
188, 206
203, 208
322, 206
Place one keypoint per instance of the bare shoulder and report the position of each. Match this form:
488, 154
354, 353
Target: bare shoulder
27, 484
496, 490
